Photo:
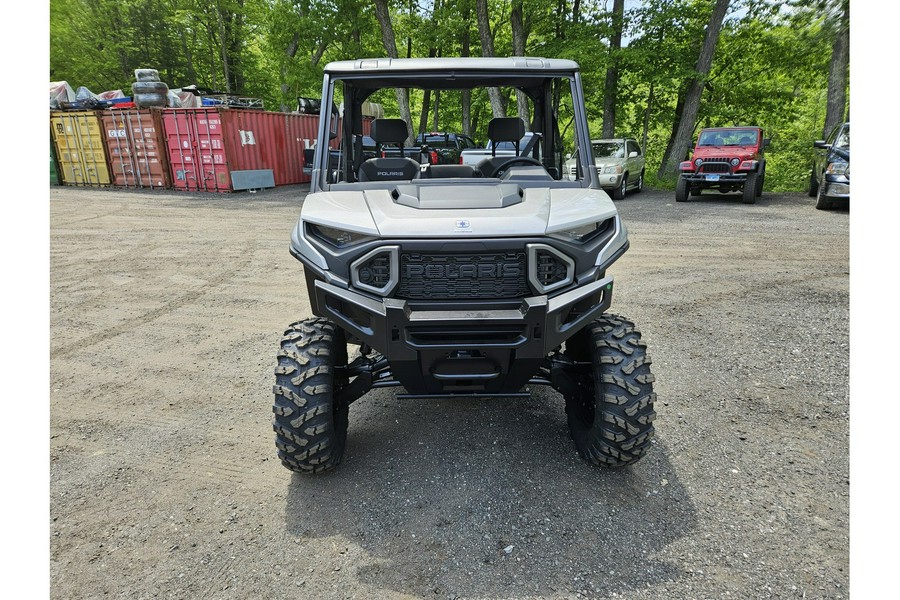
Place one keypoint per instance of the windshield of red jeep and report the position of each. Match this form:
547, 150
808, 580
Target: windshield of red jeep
728, 137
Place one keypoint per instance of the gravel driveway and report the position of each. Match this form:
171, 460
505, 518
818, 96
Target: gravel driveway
166, 311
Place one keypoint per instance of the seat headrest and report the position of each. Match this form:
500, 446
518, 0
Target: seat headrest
506, 129
389, 131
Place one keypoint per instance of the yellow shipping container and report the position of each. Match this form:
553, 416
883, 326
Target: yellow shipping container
78, 140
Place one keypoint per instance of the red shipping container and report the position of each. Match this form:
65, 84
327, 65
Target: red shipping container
209, 149
136, 148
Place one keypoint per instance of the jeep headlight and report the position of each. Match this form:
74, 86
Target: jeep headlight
838, 167
612, 169
339, 238
584, 233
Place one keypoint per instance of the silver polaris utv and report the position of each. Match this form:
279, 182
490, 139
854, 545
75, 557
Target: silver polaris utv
459, 280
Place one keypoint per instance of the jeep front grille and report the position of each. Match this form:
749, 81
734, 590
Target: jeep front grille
452, 276
715, 165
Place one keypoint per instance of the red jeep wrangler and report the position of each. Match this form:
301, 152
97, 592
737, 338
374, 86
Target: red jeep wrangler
727, 159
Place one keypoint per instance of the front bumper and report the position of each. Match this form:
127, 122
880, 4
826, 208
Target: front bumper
836, 187
610, 181
492, 349
714, 179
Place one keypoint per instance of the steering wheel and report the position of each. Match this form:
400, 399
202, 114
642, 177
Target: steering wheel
503, 167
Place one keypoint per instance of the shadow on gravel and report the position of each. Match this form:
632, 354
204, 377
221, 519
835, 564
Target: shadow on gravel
488, 498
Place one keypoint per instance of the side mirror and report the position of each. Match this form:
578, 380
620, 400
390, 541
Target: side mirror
632, 154
765, 142
820, 144
333, 126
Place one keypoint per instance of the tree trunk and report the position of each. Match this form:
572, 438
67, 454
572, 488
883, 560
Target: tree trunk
390, 46
837, 74
682, 140
519, 39
612, 70
224, 45
466, 95
487, 49
647, 120
426, 100
290, 52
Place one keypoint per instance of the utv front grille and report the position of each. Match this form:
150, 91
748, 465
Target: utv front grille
376, 271
452, 276
548, 268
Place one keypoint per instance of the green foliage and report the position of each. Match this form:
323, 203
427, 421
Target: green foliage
770, 67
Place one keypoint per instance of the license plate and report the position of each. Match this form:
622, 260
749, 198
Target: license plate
712, 177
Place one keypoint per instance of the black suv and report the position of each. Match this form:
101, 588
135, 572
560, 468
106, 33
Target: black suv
829, 180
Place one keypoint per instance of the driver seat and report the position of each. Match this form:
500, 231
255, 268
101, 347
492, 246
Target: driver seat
501, 129
389, 131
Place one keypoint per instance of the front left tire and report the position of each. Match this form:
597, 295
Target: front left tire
310, 426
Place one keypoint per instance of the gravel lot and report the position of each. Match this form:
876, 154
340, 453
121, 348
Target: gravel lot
166, 311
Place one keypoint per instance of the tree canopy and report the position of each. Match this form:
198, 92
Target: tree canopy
776, 64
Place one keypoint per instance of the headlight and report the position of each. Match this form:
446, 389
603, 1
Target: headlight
584, 233
338, 238
735, 162
838, 167
612, 169
698, 161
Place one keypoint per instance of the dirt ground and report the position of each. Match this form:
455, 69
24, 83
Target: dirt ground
166, 311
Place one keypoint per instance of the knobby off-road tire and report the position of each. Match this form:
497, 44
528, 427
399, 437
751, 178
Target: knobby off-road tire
611, 422
310, 427
748, 194
681, 190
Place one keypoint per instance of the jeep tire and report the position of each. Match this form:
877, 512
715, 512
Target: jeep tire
750, 185
611, 419
310, 427
681, 190
761, 181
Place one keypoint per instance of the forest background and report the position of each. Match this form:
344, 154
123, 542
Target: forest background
655, 70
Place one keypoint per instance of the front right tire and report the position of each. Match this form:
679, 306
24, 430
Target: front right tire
310, 426
822, 203
681, 190
611, 419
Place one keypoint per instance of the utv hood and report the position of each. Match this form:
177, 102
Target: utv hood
458, 210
